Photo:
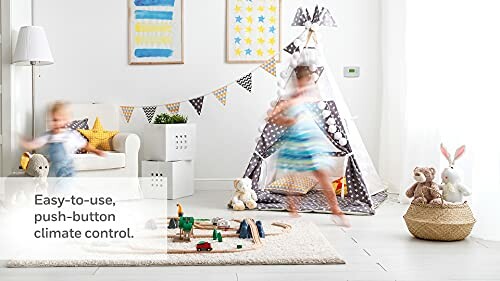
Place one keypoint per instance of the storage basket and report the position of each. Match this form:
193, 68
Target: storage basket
445, 222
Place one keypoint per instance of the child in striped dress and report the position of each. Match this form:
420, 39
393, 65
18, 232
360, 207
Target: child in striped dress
303, 147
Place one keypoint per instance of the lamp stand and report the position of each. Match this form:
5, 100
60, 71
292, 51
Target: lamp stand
33, 99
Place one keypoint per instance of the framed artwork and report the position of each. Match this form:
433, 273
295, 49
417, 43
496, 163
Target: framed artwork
155, 30
253, 30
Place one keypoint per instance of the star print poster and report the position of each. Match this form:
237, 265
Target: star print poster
253, 30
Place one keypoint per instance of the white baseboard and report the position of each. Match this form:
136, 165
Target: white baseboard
213, 183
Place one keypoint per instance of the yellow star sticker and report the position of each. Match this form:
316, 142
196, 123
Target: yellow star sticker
272, 20
271, 51
260, 53
249, 19
238, 51
98, 137
260, 8
272, 40
261, 40
237, 29
237, 9
261, 29
248, 29
272, 8
249, 9
248, 40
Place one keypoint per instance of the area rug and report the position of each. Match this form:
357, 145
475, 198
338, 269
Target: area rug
303, 243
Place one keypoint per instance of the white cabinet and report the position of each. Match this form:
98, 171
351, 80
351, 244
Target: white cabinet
167, 179
170, 142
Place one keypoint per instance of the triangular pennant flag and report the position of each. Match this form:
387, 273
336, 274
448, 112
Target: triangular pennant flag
300, 18
308, 15
316, 14
197, 103
221, 95
246, 82
327, 19
291, 48
270, 66
173, 107
149, 111
127, 112
319, 71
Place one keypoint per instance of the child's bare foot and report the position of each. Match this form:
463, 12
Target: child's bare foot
341, 220
294, 214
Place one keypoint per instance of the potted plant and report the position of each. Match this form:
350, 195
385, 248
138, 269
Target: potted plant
169, 138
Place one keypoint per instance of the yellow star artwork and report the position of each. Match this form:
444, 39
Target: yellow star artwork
272, 8
272, 20
272, 40
237, 29
98, 137
260, 53
271, 51
261, 40
238, 51
249, 19
249, 9
248, 29
248, 40
261, 29
260, 8
237, 9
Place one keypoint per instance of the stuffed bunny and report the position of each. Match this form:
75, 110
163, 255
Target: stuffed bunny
244, 196
453, 189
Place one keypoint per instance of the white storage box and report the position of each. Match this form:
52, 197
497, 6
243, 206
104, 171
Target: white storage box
170, 180
170, 142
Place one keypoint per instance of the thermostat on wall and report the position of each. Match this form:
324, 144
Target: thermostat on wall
351, 71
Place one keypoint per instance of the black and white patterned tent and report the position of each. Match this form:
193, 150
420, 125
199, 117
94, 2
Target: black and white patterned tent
365, 188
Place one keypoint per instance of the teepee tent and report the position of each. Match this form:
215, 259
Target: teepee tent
351, 159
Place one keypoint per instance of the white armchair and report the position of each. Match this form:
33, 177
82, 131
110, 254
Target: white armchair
123, 161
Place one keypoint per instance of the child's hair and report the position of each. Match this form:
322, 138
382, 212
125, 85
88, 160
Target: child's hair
58, 106
303, 71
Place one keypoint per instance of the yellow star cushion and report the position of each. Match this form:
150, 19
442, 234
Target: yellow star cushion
98, 137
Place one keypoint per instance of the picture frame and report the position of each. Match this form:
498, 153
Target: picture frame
155, 32
253, 43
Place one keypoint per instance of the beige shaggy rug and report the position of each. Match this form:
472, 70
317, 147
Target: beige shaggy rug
302, 244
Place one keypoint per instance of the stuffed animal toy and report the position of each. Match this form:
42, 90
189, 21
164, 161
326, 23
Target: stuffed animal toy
244, 196
425, 190
453, 189
35, 165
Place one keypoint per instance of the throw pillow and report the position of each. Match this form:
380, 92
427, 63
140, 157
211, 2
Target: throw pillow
79, 124
292, 185
98, 137
338, 184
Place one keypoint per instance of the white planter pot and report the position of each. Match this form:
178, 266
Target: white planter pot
172, 142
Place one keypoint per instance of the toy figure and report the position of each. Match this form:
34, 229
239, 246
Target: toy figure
453, 189
180, 212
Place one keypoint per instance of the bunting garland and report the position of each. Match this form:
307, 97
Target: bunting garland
149, 111
270, 66
197, 103
246, 82
127, 112
173, 107
221, 94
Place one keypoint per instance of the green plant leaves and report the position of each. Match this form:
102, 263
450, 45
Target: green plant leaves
165, 118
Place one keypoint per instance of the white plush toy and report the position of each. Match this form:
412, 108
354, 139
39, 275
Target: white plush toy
243, 196
453, 189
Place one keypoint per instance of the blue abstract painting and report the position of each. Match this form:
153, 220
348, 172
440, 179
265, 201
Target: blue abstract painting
156, 31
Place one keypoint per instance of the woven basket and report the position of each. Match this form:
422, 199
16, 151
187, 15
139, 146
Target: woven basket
446, 222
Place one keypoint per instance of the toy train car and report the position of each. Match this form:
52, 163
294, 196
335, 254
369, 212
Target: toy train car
203, 246
223, 224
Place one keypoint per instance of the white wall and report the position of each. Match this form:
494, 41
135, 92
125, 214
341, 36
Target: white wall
89, 43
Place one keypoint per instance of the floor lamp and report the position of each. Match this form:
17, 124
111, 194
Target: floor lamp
32, 49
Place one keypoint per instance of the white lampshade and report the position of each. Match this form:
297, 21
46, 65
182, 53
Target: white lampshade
32, 47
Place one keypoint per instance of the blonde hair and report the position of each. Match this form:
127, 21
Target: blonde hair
58, 106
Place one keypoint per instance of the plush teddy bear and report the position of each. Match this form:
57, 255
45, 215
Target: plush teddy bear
425, 190
35, 165
244, 196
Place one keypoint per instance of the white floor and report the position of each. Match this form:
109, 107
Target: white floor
376, 248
